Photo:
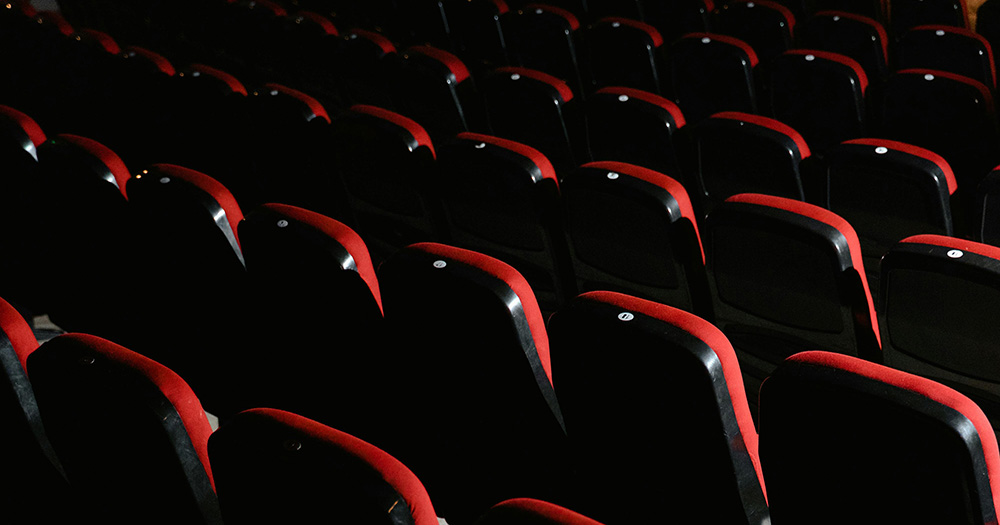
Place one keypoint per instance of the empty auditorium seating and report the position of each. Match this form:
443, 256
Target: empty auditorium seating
674, 405
819, 94
634, 230
275, 466
739, 152
20, 212
767, 26
906, 14
842, 439
527, 511
433, 87
638, 127
189, 278
710, 73
129, 432
87, 230
470, 357
938, 294
385, 162
314, 309
543, 37
946, 48
502, 198
41, 491
623, 52
946, 113
859, 37
888, 191
537, 109
787, 276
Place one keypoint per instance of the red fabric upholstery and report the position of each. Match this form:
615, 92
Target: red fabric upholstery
342, 234
104, 155
207, 184
965, 245
319, 20
317, 109
275, 9
826, 217
548, 172
658, 179
979, 86
392, 471
100, 38
506, 273
726, 39
714, 338
56, 19
453, 63
551, 513
930, 389
18, 332
234, 85
161, 63
26, 123
571, 19
836, 57
382, 42
769, 123
654, 35
564, 91
649, 98
419, 134
915, 151
174, 388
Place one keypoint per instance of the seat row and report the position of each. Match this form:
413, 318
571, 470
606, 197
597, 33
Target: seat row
648, 394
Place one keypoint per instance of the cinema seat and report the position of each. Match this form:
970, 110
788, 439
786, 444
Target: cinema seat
738, 153
676, 404
710, 73
937, 297
785, 277
42, 492
501, 198
275, 466
130, 433
481, 422
888, 191
308, 277
633, 230
842, 439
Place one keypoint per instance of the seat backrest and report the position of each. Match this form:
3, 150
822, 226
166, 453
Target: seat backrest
638, 127
857, 36
887, 191
313, 293
846, 439
819, 94
767, 26
624, 52
948, 48
710, 73
29, 458
130, 433
739, 152
937, 297
501, 198
786, 276
482, 419
275, 466
385, 162
663, 260
674, 404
